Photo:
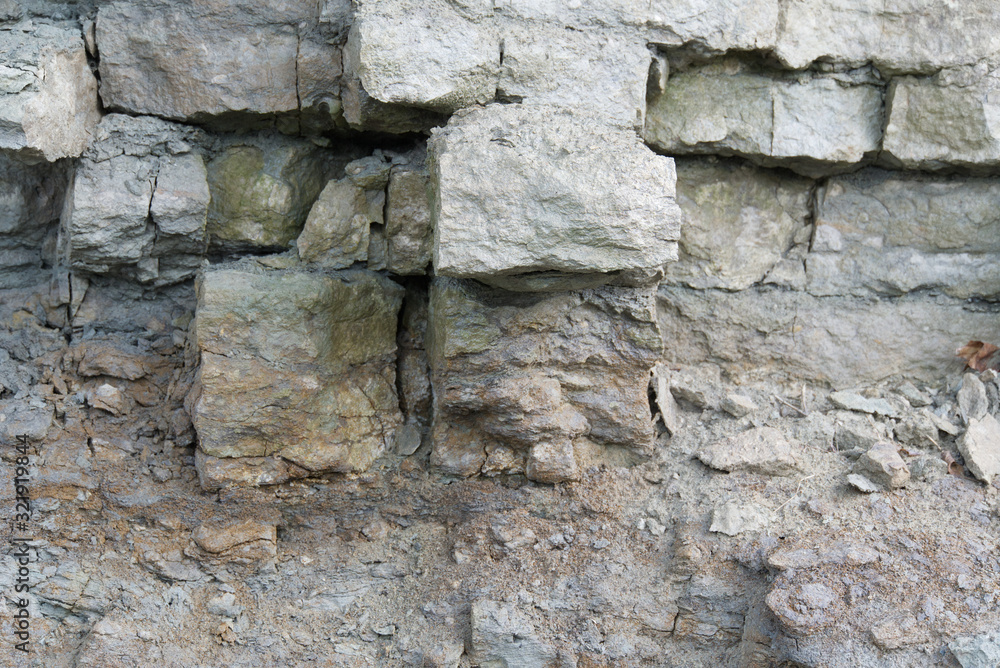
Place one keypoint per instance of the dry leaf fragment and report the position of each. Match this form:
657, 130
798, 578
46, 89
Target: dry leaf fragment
976, 354
954, 468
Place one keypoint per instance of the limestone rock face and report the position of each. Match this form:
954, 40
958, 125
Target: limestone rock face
891, 233
811, 124
297, 364
524, 189
794, 334
945, 120
602, 73
534, 380
904, 36
738, 221
436, 55
48, 95
154, 60
138, 203
263, 187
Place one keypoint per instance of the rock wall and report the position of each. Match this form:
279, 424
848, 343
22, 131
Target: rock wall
512, 240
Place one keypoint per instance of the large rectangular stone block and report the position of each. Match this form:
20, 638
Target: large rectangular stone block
522, 189
891, 233
48, 95
535, 383
205, 60
739, 221
898, 36
295, 363
435, 55
138, 203
811, 124
772, 334
945, 120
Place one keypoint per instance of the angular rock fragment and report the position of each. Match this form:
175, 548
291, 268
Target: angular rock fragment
981, 651
502, 635
215, 473
548, 375
812, 125
891, 233
852, 401
763, 450
901, 37
48, 95
522, 189
919, 107
882, 464
247, 540
972, 401
862, 484
138, 203
337, 230
739, 220
433, 55
732, 518
296, 363
980, 446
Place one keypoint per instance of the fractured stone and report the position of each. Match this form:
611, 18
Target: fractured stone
552, 376
296, 363
811, 124
48, 95
525, 189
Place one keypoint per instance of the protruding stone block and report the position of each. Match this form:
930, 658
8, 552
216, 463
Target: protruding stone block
296, 364
434, 55
48, 95
541, 379
154, 58
525, 189
947, 120
809, 123
138, 203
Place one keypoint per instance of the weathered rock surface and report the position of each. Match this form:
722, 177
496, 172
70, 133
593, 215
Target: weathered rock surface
976, 651
599, 72
972, 400
262, 60
906, 36
31, 198
892, 233
520, 189
946, 120
504, 636
763, 450
810, 124
138, 203
434, 55
540, 375
980, 446
48, 95
831, 340
263, 188
296, 363
408, 227
738, 221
